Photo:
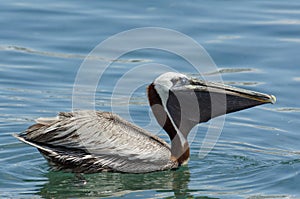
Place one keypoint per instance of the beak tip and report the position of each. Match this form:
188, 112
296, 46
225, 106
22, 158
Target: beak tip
273, 99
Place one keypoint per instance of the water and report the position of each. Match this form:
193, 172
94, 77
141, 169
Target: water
254, 43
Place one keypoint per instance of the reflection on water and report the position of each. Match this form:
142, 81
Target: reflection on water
66, 185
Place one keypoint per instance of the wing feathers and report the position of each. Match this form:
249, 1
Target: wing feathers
104, 140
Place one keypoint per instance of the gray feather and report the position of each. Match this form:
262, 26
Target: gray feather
89, 141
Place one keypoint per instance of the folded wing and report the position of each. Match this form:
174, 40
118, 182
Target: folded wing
88, 141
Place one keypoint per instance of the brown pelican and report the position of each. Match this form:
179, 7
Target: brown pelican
94, 141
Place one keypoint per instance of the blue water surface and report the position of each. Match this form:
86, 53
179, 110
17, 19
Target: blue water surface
255, 45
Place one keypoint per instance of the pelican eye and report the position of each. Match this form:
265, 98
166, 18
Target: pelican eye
180, 81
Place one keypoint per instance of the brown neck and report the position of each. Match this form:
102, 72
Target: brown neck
180, 152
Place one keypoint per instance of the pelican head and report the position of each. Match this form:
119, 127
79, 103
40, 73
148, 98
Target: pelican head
179, 103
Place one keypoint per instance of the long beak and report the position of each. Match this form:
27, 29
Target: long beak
200, 101
199, 85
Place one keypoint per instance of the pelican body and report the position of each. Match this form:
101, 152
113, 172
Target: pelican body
94, 141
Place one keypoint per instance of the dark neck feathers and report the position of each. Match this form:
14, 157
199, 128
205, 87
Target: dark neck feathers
179, 153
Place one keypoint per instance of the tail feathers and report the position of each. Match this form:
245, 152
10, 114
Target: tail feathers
21, 138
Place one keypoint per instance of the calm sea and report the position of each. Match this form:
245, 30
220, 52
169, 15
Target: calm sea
255, 45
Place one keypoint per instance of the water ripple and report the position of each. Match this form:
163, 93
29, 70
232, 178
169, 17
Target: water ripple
284, 109
65, 55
